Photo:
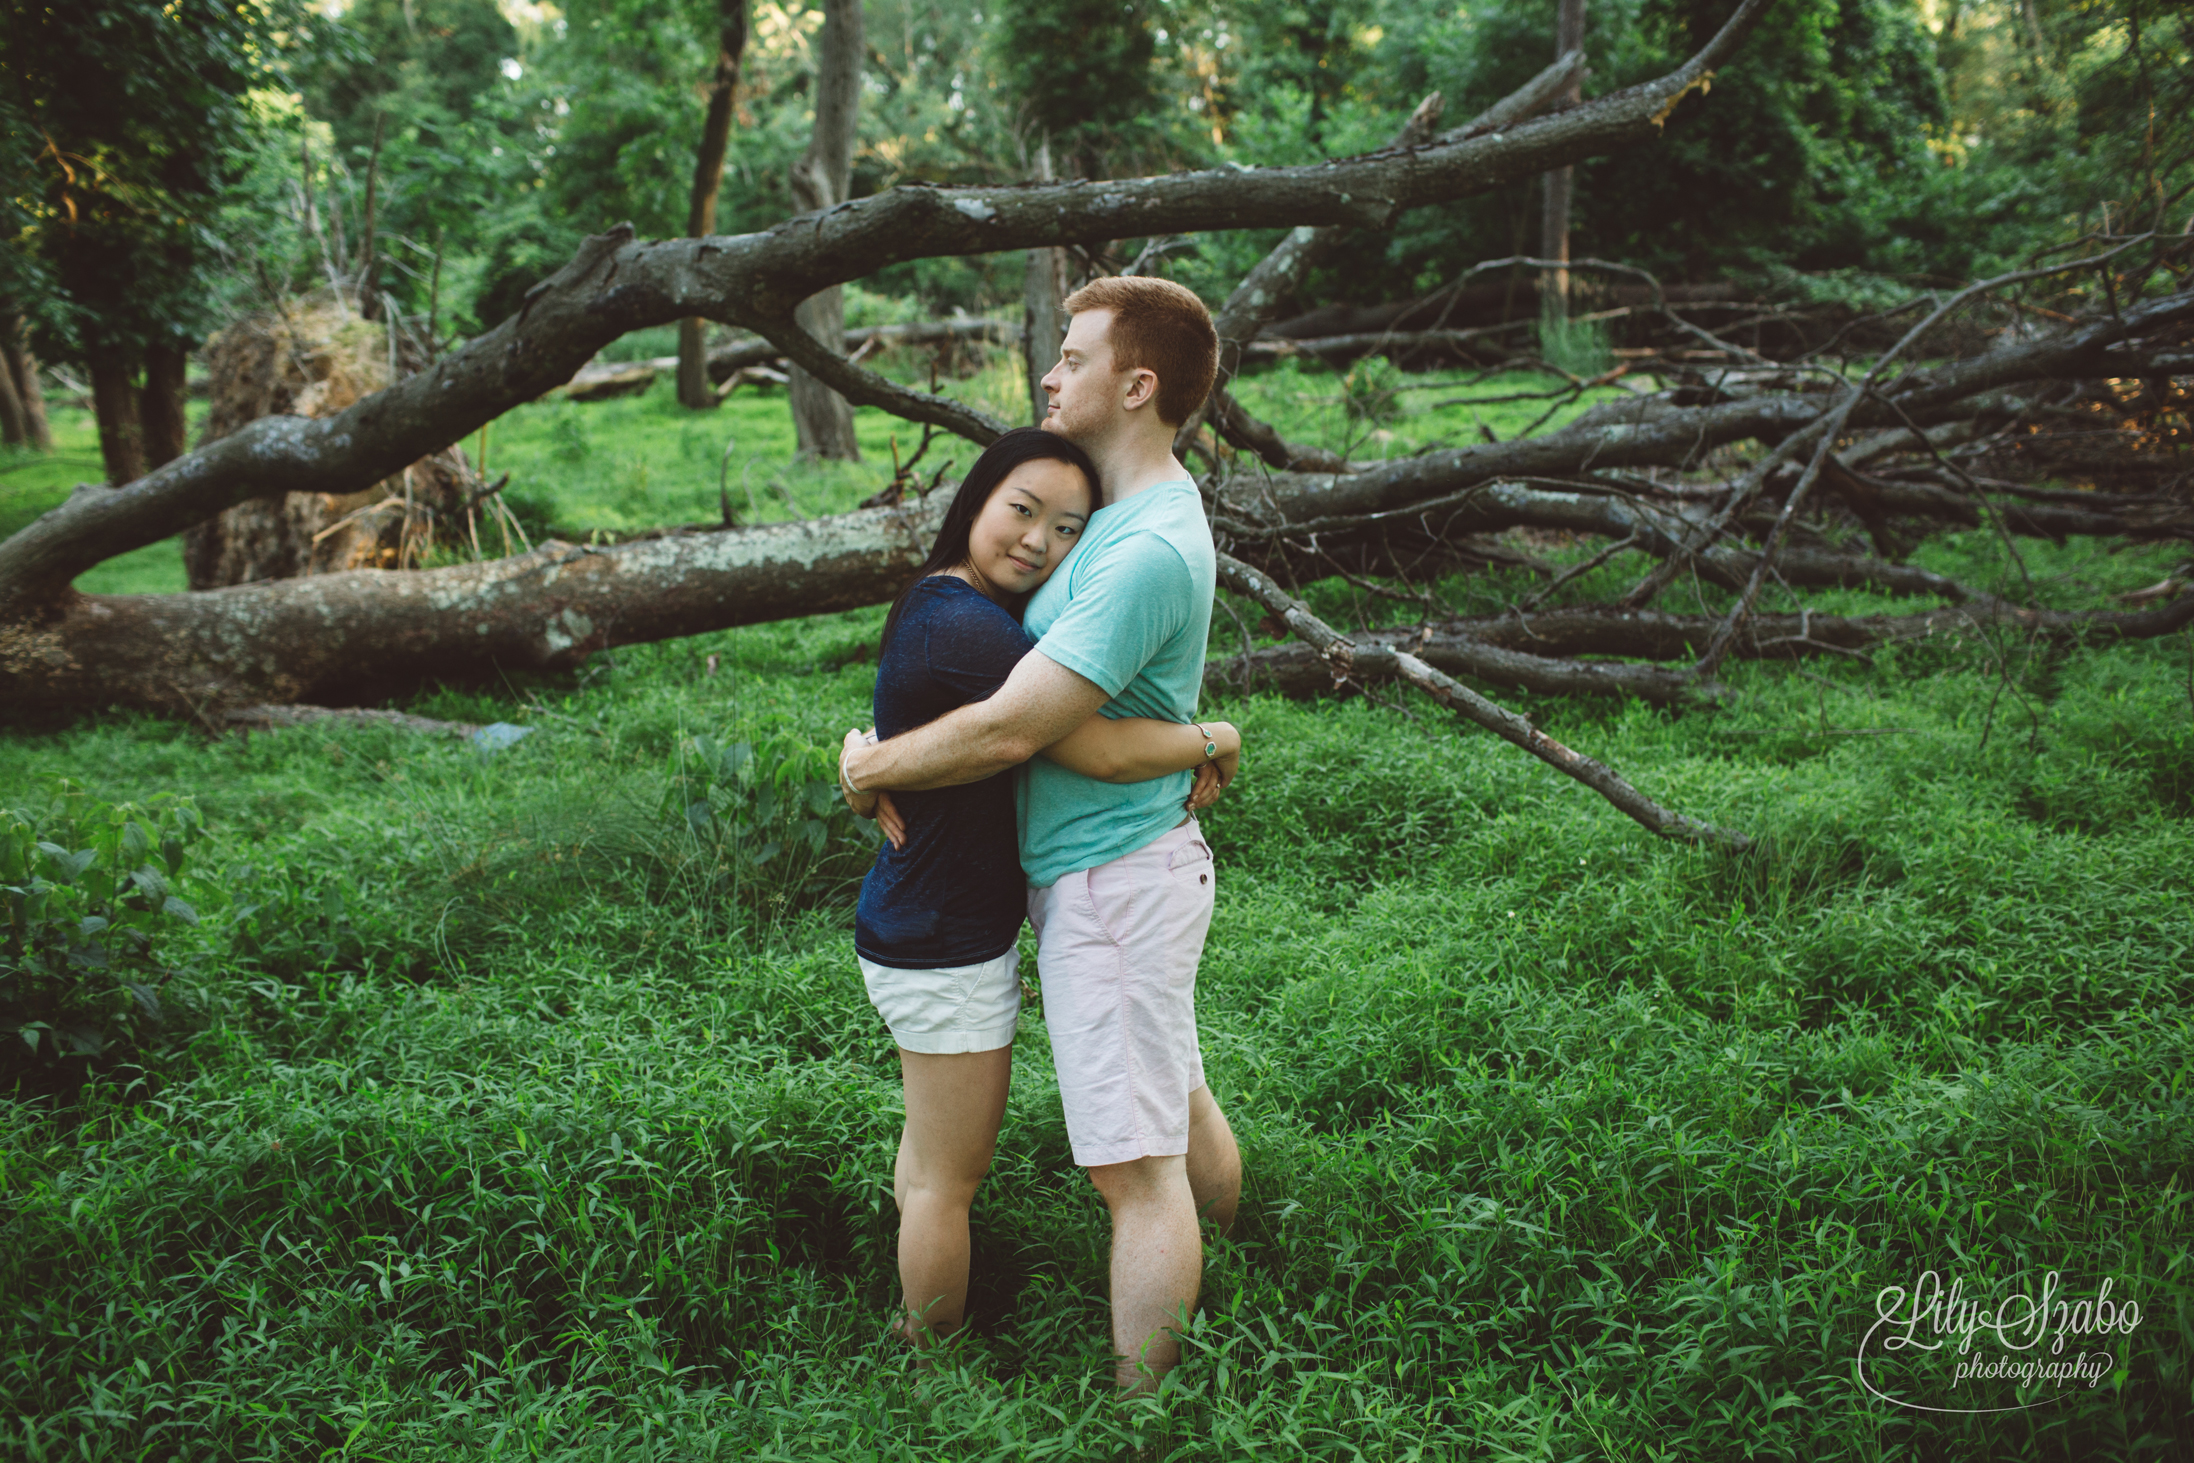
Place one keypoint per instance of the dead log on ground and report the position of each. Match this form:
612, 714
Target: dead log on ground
1537, 652
1347, 659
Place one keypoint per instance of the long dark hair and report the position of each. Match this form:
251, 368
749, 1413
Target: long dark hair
1000, 458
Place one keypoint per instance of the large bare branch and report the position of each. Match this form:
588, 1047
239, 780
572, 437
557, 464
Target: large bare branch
1477, 646
1831, 427
1345, 657
1661, 529
1257, 301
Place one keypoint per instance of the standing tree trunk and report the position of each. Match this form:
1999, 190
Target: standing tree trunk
160, 408
22, 369
369, 300
694, 389
821, 179
1554, 221
1043, 312
114, 403
14, 430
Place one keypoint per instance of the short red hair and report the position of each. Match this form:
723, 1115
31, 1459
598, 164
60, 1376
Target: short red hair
1160, 327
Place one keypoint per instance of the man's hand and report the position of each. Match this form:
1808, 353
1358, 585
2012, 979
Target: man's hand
1040, 702
863, 804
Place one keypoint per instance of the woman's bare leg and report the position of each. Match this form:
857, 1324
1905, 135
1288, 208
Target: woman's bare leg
954, 1106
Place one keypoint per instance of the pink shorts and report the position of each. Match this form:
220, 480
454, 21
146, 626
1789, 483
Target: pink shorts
1117, 948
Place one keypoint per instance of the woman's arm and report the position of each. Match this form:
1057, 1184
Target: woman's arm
1135, 749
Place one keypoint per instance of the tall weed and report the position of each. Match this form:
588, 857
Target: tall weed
89, 890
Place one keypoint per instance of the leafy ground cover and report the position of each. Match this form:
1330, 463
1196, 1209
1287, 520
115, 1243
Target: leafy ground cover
511, 1107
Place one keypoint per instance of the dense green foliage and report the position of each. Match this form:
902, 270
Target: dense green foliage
1880, 137
127, 126
88, 887
512, 1110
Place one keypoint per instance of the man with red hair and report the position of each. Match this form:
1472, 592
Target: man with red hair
1121, 883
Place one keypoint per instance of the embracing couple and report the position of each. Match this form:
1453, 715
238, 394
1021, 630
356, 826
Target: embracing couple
1060, 623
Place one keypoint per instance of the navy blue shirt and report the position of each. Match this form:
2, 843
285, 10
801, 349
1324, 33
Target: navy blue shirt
955, 895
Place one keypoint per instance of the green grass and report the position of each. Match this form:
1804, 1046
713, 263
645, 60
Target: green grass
1561, 1142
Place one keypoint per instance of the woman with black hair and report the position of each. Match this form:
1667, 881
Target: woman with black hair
940, 915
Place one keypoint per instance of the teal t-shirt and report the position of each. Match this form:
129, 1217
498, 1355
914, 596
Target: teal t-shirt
1130, 610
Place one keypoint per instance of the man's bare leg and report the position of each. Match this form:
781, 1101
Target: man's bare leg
1157, 1263
954, 1106
1214, 1162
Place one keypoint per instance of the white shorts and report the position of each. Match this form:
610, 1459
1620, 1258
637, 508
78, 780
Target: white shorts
960, 1008
1117, 946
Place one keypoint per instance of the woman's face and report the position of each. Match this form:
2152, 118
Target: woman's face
1032, 519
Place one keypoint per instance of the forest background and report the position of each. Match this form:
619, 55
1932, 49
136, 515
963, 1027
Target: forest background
1859, 139
496, 1098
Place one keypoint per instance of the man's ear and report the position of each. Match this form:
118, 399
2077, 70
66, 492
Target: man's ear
1142, 390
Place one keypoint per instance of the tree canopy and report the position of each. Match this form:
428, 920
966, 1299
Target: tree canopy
1856, 137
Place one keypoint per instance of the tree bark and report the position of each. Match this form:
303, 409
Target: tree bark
160, 409
363, 634
694, 388
114, 403
1554, 217
1043, 307
23, 367
14, 429
821, 180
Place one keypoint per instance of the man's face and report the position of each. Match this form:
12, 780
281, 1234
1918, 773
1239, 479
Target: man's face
1087, 395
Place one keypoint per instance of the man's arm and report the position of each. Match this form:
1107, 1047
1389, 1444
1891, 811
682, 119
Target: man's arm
1137, 749
1039, 703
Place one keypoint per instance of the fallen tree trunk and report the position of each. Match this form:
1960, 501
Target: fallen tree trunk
361, 635
1660, 431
